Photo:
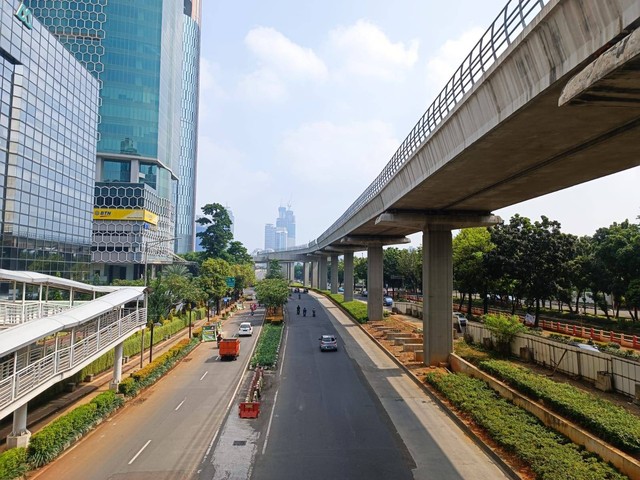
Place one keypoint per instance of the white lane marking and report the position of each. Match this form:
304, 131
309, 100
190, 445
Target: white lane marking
241, 379
180, 404
204, 375
139, 452
284, 348
273, 409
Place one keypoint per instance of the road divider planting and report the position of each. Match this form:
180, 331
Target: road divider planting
268, 347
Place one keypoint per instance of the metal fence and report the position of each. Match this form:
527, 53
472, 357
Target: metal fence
67, 355
624, 373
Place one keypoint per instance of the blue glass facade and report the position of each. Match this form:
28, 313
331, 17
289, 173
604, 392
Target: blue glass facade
139, 52
48, 117
185, 202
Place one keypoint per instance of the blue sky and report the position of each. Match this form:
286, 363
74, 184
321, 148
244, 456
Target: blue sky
304, 103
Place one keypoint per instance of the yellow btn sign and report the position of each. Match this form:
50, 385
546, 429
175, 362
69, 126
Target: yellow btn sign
125, 214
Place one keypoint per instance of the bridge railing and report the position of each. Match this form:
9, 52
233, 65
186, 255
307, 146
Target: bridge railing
511, 20
65, 355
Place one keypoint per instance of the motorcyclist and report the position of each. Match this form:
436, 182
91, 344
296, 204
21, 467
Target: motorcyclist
298, 310
313, 312
304, 312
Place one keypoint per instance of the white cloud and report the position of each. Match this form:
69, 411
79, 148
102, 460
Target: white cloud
284, 56
262, 85
367, 51
279, 61
440, 68
332, 154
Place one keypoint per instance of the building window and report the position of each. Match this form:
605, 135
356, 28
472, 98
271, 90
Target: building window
116, 171
149, 174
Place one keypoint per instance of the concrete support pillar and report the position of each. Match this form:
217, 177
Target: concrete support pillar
322, 273
348, 276
374, 283
334, 274
19, 436
306, 270
314, 274
437, 286
117, 366
292, 272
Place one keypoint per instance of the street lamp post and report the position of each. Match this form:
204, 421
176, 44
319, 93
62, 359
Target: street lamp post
146, 263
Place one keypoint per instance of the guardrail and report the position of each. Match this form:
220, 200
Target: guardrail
15, 313
64, 355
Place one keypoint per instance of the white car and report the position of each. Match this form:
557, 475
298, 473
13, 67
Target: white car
459, 320
245, 329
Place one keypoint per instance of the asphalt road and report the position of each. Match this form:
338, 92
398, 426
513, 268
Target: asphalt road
327, 422
166, 431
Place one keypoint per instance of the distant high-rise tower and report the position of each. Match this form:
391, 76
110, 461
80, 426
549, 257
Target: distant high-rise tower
269, 237
287, 220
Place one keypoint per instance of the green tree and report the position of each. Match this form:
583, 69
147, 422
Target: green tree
238, 254
274, 270
470, 276
217, 235
360, 269
616, 261
272, 292
213, 279
534, 256
178, 269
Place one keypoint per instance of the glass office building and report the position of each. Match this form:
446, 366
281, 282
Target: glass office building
145, 55
48, 118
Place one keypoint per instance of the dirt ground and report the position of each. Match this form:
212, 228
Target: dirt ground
420, 370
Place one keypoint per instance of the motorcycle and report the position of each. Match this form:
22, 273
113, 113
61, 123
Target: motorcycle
313, 312
304, 312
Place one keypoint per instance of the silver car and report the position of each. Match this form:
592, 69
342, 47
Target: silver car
328, 342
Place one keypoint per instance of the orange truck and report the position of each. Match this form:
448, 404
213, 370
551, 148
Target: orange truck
229, 348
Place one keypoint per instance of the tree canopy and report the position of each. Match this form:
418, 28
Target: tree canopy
217, 235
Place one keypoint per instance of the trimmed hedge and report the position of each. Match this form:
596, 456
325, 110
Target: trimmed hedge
266, 353
150, 373
609, 422
550, 455
53, 439
13, 464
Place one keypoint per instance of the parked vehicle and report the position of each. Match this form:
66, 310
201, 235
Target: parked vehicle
459, 321
245, 329
229, 348
387, 301
585, 346
328, 342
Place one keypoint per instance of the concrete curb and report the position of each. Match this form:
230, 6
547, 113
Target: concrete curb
484, 447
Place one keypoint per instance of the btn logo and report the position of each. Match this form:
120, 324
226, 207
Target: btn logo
25, 16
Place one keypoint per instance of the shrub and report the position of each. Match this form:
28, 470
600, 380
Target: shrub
53, 439
550, 455
504, 328
357, 310
266, 353
150, 373
13, 463
604, 419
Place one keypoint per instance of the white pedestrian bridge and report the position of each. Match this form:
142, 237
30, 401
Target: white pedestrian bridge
44, 341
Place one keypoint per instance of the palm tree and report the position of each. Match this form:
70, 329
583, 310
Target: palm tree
176, 269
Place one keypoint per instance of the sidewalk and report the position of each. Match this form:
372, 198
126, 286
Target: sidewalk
43, 415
